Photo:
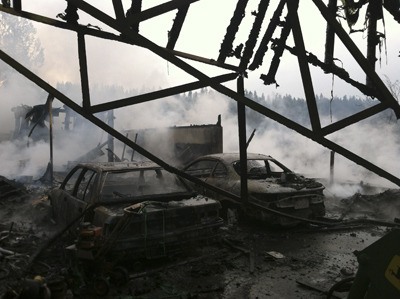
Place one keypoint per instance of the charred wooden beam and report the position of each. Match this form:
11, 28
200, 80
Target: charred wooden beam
71, 14
227, 44
343, 123
254, 32
303, 65
330, 35
173, 34
386, 96
159, 94
393, 7
242, 141
374, 13
157, 10
205, 60
337, 71
118, 10
134, 10
278, 47
263, 47
83, 71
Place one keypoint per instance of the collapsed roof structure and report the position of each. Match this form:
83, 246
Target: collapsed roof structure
251, 55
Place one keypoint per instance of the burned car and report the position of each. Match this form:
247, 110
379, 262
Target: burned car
271, 186
132, 210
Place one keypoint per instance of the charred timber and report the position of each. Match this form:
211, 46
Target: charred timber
254, 32
177, 26
134, 10
374, 13
156, 10
278, 47
263, 48
303, 65
330, 35
393, 7
226, 46
337, 71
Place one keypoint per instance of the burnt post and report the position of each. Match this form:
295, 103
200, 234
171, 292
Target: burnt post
242, 141
374, 13
332, 168
50, 104
330, 35
110, 140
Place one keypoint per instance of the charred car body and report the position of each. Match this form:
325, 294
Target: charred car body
271, 186
132, 210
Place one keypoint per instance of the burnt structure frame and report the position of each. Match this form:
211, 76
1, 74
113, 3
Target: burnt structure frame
128, 35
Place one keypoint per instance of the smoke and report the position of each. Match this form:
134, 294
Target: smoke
378, 144
17, 159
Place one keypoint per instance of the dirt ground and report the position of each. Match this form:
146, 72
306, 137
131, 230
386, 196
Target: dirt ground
251, 260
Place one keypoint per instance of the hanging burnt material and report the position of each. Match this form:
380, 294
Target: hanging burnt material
263, 48
278, 47
177, 26
330, 35
337, 71
136, 7
352, 11
374, 13
226, 46
70, 14
393, 7
255, 30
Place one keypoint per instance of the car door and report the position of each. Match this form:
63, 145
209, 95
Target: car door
74, 195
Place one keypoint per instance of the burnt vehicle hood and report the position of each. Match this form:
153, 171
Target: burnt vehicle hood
292, 183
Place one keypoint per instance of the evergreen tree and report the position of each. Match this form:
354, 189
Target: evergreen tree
18, 39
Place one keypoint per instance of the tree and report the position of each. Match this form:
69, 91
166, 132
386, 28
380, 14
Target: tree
18, 39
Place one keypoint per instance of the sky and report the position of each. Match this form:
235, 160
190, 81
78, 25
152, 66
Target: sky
112, 63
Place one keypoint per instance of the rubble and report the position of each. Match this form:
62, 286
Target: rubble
250, 261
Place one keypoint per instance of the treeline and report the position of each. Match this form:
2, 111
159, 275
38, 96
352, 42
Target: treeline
295, 109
